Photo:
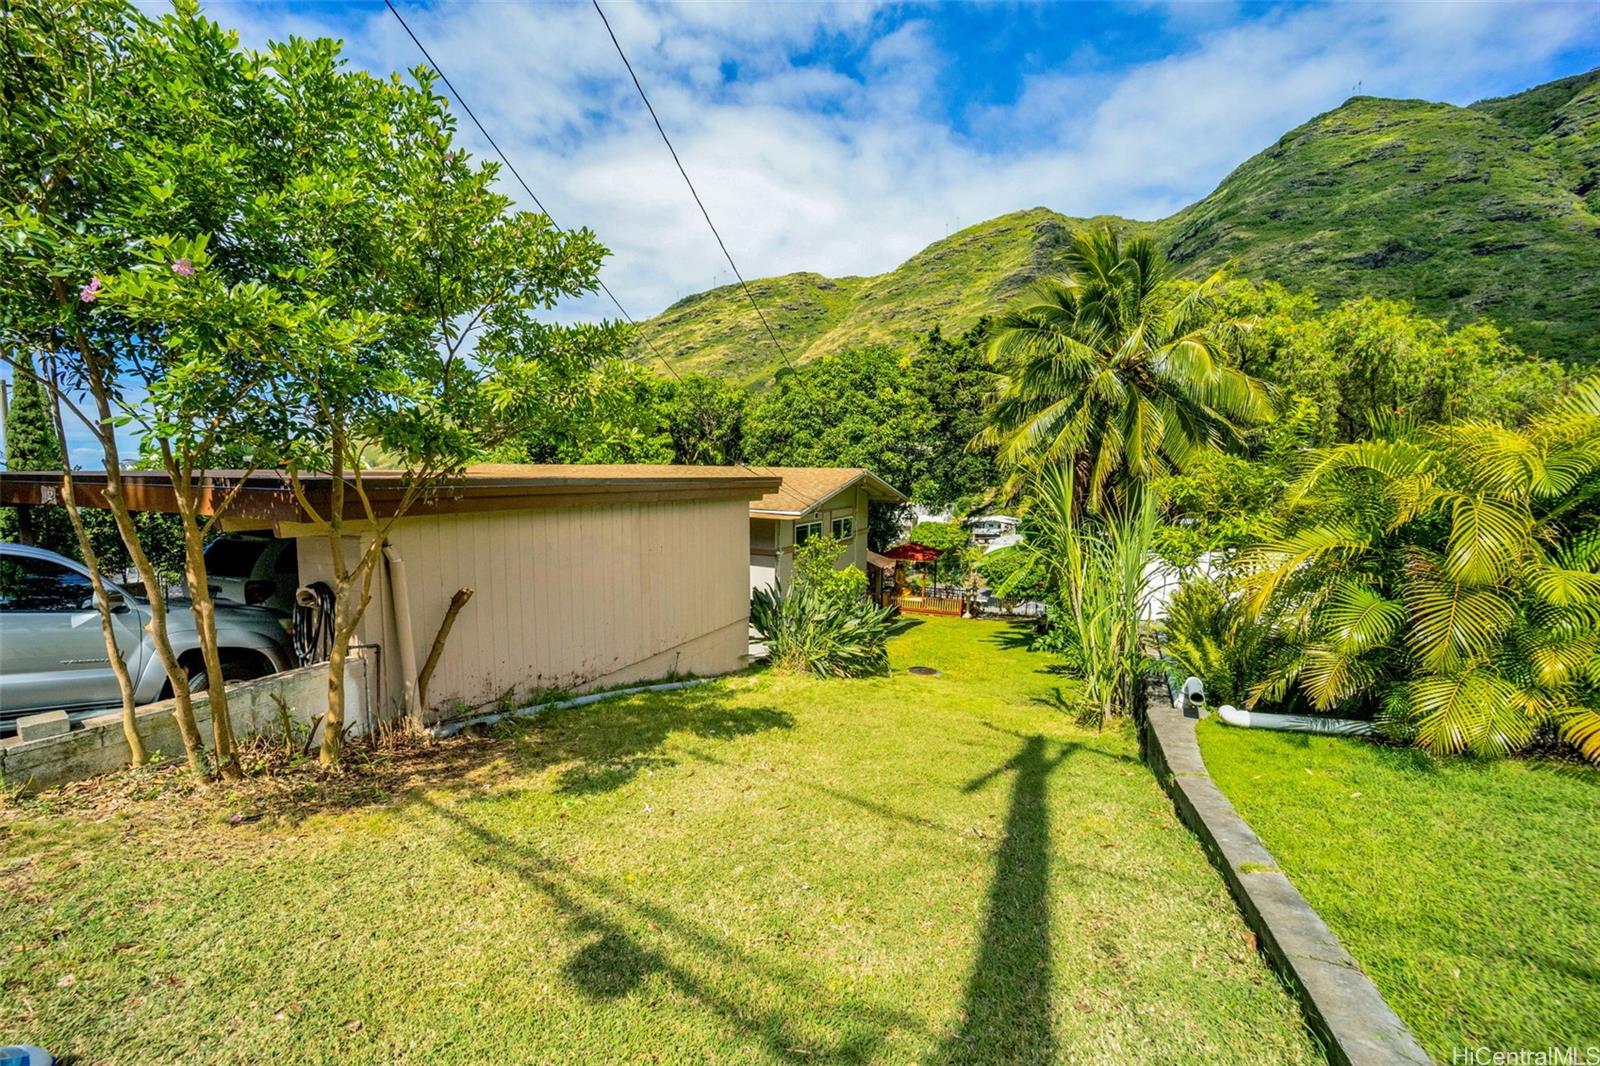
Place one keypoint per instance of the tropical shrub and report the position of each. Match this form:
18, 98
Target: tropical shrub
1097, 567
823, 622
951, 539
1014, 574
1446, 581
807, 630
815, 566
1212, 634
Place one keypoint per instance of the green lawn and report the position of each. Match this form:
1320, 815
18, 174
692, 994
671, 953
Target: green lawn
764, 869
1469, 891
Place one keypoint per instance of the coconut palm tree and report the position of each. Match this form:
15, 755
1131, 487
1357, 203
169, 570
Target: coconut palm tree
1117, 370
1447, 579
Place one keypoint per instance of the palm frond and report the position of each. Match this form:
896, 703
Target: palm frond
1475, 711
1451, 623
1359, 618
1487, 539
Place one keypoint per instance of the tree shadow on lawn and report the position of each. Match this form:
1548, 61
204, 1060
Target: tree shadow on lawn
617, 961
609, 744
1007, 1014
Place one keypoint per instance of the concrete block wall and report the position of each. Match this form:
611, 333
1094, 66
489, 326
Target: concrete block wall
99, 746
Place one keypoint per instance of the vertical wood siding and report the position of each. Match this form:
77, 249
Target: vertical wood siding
565, 598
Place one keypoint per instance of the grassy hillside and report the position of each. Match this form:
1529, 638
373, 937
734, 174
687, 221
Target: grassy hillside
1489, 211
1451, 208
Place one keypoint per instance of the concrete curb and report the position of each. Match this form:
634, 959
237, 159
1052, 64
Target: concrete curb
1341, 1004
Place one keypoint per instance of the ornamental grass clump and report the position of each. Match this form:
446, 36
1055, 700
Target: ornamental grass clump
1097, 568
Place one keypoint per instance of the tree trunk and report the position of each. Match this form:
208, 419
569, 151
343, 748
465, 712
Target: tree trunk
205, 621
333, 725
25, 533
137, 756
182, 701
458, 601
117, 504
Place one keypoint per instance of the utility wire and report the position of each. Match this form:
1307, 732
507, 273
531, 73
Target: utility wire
692, 190
528, 189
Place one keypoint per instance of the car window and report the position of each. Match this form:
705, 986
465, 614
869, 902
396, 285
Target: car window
287, 561
40, 585
233, 556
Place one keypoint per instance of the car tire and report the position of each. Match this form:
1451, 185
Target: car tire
234, 668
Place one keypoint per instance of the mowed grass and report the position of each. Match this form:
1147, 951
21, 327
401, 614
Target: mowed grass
763, 869
1469, 891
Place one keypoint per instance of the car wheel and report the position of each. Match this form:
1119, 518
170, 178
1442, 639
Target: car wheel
234, 668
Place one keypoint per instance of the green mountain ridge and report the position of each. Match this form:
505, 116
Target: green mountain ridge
1490, 211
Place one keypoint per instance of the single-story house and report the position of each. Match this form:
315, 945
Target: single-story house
811, 501
584, 576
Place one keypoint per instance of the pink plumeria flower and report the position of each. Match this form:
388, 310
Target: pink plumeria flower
182, 267
90, 292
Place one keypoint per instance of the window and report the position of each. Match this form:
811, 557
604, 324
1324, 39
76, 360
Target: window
39, 585
844, 528
234, 556
804, 531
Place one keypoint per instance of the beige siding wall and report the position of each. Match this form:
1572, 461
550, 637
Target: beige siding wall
567, 598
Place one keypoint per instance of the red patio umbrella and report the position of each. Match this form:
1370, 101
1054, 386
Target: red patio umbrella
914, 553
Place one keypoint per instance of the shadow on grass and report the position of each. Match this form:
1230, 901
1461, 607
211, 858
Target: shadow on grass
1056, 700
1006, 1015
608, 745
635, 941
1014, 635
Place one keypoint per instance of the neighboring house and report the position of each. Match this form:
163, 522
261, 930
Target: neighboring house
584, 576
918, 514
811, 501
993, 532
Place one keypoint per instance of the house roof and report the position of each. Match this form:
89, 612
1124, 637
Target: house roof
805, 488
265, 499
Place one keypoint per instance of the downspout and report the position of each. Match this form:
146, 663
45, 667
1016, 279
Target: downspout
1294, 723
402, 626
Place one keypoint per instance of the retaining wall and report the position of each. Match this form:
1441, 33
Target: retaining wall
99, 747
1342, 1005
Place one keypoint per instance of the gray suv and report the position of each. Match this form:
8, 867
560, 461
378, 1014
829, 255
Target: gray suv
53, 656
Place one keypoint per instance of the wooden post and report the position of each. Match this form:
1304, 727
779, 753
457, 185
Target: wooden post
458, 601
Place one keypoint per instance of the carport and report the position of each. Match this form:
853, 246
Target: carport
583, 576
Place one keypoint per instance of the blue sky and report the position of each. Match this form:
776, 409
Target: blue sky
844, 137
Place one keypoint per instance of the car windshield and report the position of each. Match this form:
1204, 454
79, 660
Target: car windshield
233, 556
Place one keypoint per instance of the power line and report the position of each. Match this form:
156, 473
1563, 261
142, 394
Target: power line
521, 181
692, 190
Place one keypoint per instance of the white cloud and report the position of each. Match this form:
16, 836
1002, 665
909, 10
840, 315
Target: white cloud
851, 170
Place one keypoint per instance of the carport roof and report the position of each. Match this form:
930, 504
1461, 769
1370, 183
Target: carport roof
265, 497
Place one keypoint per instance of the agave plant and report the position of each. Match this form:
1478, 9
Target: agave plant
809, 629
1448, 580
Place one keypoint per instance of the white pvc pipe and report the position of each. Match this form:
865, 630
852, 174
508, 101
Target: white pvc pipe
1294, 723
450, 729
401, 594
